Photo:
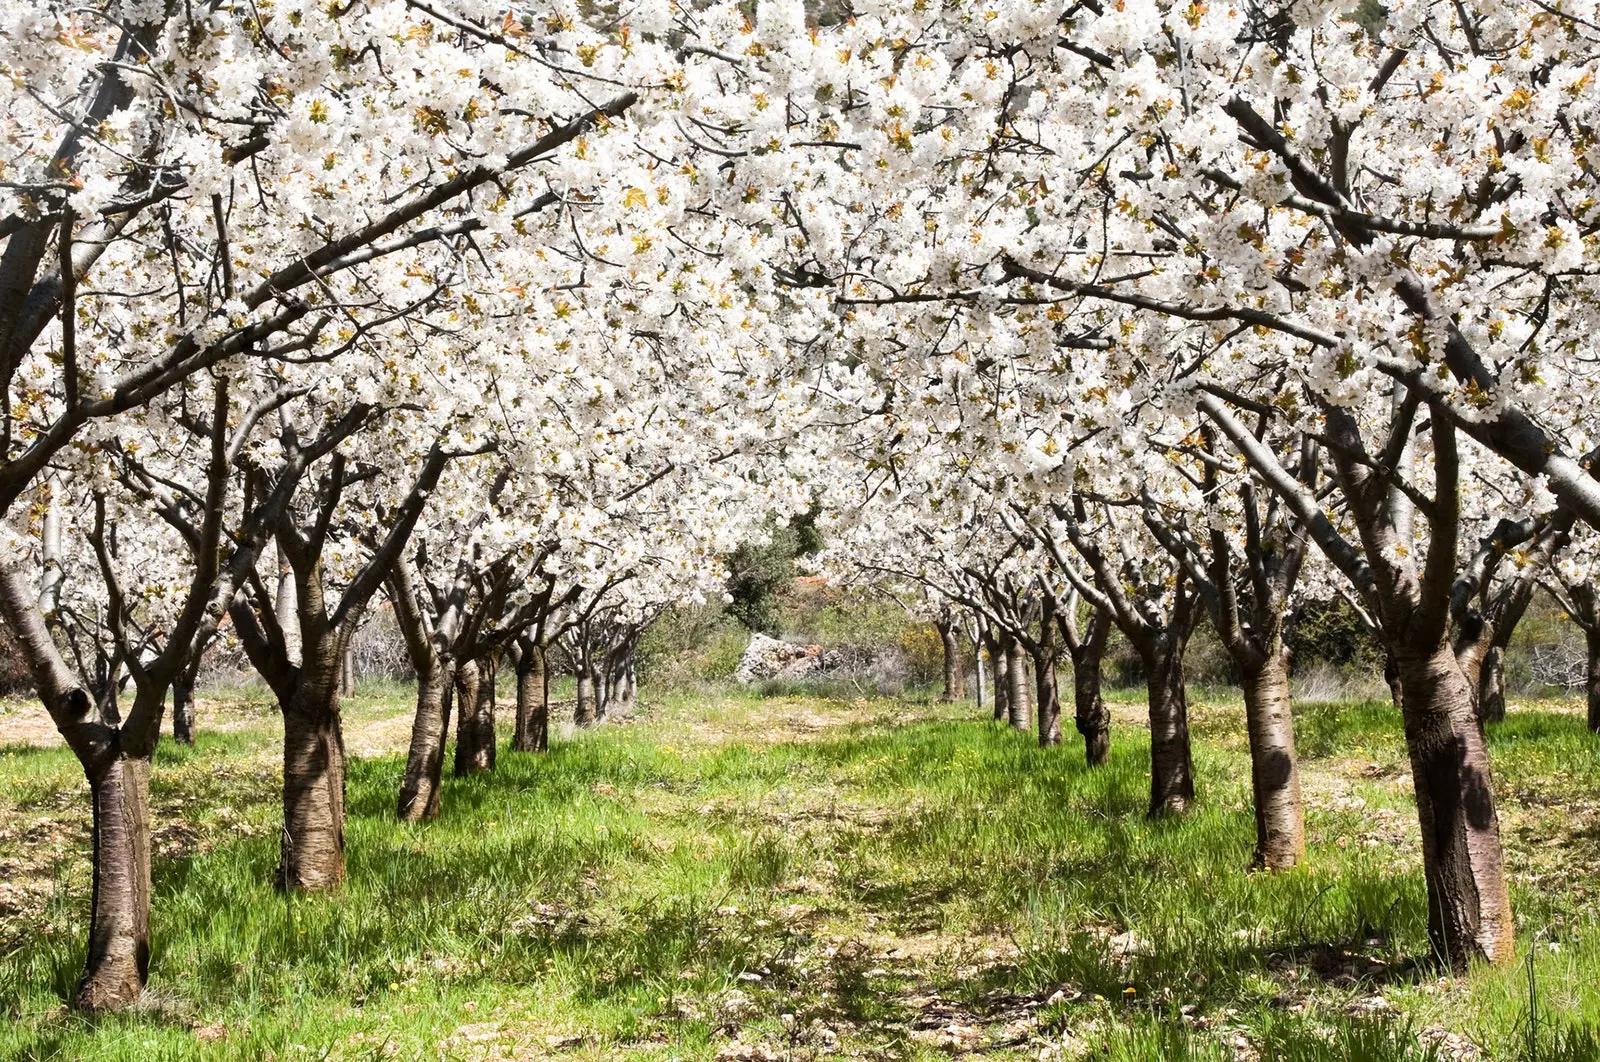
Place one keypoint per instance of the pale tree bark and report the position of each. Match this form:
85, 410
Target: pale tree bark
1019, 704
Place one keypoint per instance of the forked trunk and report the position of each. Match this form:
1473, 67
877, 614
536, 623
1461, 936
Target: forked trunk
1592, 637
313, 787
1391, 675
474, 718
1274, 770
183, 710
1019, 704
1469, 907
1171, 765
1048, 706
419, 789
533, 702
1089, 708
1492, 685
119, 914
584, 714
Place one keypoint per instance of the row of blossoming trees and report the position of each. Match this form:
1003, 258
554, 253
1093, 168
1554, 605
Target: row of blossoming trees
1075, 315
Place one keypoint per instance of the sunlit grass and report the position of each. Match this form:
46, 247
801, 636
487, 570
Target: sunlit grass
667, 887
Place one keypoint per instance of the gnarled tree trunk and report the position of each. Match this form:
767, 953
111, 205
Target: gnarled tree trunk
1274, 770
1469, 906
119, 915
313, 785
533, 700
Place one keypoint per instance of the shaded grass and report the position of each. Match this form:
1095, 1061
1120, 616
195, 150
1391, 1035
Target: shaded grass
660, 889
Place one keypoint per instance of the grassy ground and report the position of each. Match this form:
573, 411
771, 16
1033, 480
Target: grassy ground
742, 878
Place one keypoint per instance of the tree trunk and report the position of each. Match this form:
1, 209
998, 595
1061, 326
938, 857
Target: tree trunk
628, 685
533, 702
313, 786
119, 915
1089, 709
1002, 681
419, 789
1171, 765
585, 712
1469, 907
1592, 637
347, 672
1018, 703
1274, 770
475, 736
1492, 685
183, 709
1391, 675
977, 675
1048, 706
954, 677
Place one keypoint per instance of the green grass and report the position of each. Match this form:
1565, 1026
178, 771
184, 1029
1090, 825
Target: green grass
803, 877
